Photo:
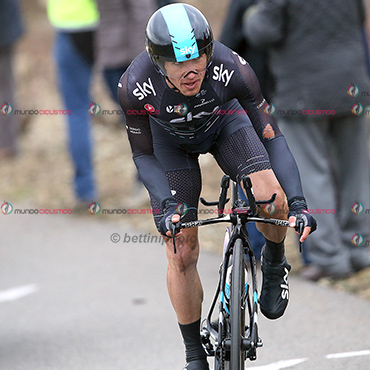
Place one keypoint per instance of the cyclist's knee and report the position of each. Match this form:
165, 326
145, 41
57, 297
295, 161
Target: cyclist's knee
187, 251
281, 204
277, 209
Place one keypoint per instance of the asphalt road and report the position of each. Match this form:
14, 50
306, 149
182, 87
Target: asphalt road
70, 298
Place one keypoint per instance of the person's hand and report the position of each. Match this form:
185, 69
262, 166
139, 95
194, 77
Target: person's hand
299, 218
170, 217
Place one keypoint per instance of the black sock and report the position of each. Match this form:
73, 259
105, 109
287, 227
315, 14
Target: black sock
193, 346
274, 252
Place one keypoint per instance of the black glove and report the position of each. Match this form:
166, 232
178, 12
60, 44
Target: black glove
298, 208
169, 207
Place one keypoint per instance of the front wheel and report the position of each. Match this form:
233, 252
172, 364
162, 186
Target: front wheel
237, 308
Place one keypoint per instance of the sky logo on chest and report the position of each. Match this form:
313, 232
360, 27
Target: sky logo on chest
144, 89
181, 32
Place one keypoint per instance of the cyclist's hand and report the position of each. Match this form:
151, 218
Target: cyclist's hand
300, 219
175, 219
170, 217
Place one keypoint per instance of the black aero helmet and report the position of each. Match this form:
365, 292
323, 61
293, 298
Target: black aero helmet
176, 33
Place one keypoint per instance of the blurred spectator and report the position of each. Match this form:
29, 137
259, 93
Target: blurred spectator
233, 37
161, 3
11, 28
318, 59
75, 22
367, 51
120, 38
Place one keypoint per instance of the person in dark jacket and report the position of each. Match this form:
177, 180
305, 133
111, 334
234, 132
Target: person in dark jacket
120, 37
233, 37
318, 58
11, 29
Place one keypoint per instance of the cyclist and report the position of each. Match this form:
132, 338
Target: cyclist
187, 95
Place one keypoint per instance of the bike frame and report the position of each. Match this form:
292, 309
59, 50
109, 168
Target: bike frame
240, 214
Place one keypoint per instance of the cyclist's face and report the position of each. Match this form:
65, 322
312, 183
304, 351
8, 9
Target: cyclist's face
187, 76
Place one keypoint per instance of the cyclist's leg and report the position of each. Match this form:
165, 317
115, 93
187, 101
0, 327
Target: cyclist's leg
242, 153
183, 282
264, 185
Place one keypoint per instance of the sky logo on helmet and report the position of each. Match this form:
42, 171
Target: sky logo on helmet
187, 51
181, 32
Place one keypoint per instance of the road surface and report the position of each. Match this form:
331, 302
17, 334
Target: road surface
71, 298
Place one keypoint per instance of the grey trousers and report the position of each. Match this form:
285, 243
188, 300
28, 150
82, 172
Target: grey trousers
333, 159
9, 124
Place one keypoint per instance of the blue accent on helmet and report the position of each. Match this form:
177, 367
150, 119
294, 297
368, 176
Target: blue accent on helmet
183, 39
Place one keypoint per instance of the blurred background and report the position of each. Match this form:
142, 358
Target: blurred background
41, 174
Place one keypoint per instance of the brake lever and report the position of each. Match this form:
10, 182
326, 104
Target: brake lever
300, 228
175, 228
